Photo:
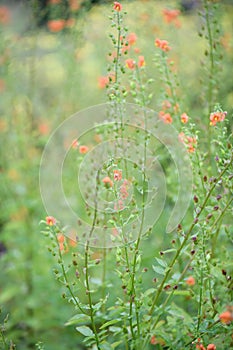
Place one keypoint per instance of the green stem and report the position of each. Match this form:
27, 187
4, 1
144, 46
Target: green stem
201, 334
216, 222
3, 338
211, 70
88, 291
75, 301
168, 79
211, 55
186, 238
200, 303
118, 47
136, 251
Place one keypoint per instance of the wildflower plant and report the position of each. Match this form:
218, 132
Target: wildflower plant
128, 166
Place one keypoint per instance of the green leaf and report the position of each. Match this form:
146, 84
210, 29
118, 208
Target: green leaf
160, 324
169, 250
179, 312
161, 262
105, 346
77, 319
115, 329
149, 291
86, 331
114, 345
109, 323
159, 270
185, 293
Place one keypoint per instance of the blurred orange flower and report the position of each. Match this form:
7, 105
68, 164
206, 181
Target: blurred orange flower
56, 25
130, 63
141, 61
107, 182
117, 6
216, 117
131, 38
190, 281
50, 220
162, 44
211, 347
226, 317
170, 16
74, 144
83, 149
103, 81
167, 118
74, 5
5, 15
43, 128
184, 118
117, 174
60, 238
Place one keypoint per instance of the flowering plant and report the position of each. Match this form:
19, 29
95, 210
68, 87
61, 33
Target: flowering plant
179, 307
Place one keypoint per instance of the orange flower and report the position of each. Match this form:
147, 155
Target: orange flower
74, 144
103, 81
43, 128
167, 118
216, 117
74, 5
60, 238
211, 347
184, 118
166, 105
190, 281
83, 149
117, 175
200, 346
162, 44
130, 63
5, 15
131, 38
50, 220
72, 242
137, 50
141, 61
107, 182
189, 141
56, 25
117, 6
226, 317
153, 340
170, 16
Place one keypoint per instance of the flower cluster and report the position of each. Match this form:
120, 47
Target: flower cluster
171, 16
217, 117
131, 64
50, 220
189, 141
162, 44
117, 6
